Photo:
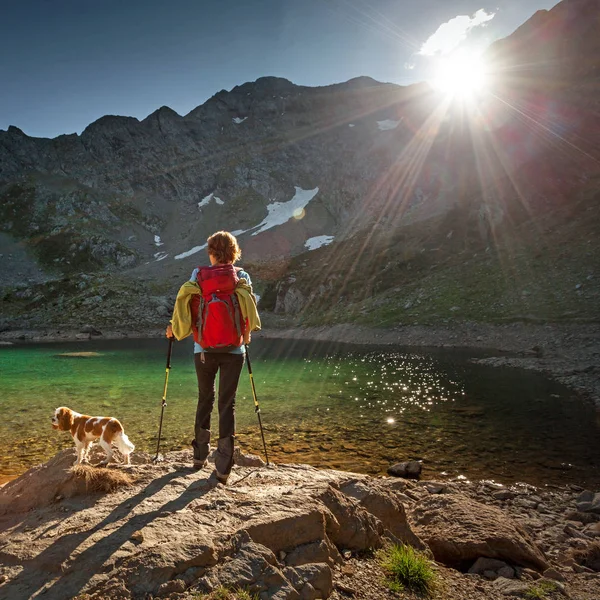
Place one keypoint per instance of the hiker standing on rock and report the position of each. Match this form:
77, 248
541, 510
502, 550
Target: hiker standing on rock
217, 305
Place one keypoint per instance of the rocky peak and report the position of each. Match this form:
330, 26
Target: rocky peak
109, 124
561, 43
163, 113
15, 131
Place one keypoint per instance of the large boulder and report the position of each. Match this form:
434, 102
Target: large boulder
284, 529
385, 505
351, 527
459, 531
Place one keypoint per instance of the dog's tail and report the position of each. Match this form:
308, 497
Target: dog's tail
123, 443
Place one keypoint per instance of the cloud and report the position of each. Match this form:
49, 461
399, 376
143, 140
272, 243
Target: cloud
450, 34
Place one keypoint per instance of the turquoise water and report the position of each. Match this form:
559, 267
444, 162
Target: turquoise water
342, 406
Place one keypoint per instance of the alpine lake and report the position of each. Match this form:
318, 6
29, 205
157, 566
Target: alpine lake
356, 408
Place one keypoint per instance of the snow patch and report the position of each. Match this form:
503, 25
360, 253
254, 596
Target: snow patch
388, 124
208, 198
238, 232
238, 120
160, 256
157, 240
281, 212
316, 242
351, 125
194, 250
257, 298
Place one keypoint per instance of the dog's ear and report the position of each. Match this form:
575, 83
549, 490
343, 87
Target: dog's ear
65, 418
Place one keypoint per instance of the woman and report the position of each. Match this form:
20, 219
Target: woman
218, 306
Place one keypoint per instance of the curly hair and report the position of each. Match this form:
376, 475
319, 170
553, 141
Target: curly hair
224, 247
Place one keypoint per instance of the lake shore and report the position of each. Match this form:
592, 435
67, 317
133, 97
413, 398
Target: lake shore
569, 353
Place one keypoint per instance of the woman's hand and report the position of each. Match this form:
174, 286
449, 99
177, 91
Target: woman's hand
169, 331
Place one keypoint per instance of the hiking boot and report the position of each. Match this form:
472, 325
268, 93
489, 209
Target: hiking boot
221, 478
199, 464
224, 455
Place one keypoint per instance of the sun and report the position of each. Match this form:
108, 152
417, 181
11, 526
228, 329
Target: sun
462, 75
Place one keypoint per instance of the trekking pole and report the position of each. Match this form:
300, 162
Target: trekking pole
164, 396
256, 406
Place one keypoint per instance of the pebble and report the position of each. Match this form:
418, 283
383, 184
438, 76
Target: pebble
137, 536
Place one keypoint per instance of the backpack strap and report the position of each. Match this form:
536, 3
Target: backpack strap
237, 313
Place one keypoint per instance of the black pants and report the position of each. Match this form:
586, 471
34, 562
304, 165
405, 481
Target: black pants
229, 367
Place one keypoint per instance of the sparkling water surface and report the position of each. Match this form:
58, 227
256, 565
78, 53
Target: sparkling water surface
358, 408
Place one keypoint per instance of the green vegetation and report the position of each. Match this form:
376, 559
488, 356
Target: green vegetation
405, 567
223, 593
539, 591
445, 269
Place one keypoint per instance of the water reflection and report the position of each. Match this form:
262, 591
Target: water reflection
333, 405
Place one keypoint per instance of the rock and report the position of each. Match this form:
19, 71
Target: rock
459, 531
506, 572
433, 487
581, 569
284, 530
572, 532
582, 517
588, 502
593, 529
411, 469
137, 536
254, 566
554, 574
352, 527
531, 574
486, 564
503, 495
177, 586
317, 575
322, 551
246, 460
386, 506
510, 587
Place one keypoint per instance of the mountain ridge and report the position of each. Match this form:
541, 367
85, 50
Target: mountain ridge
388, 163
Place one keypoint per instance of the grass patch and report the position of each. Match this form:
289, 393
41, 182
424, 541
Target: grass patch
98, 479
223, 593
405, 567
589, 557
540, 590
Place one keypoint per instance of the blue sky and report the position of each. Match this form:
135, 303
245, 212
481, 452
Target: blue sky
65, 63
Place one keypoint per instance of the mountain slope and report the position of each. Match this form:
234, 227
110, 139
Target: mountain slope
401, 185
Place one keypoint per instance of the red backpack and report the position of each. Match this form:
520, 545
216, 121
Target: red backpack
217, 318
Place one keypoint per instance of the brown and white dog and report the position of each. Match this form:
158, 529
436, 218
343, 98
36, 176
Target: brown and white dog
86, 430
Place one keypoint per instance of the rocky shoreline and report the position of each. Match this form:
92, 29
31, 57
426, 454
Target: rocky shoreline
287, 531
569, 353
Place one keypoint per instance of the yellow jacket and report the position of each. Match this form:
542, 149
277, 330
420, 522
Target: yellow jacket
182, 313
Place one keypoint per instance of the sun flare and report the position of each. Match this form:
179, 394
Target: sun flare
462, 75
